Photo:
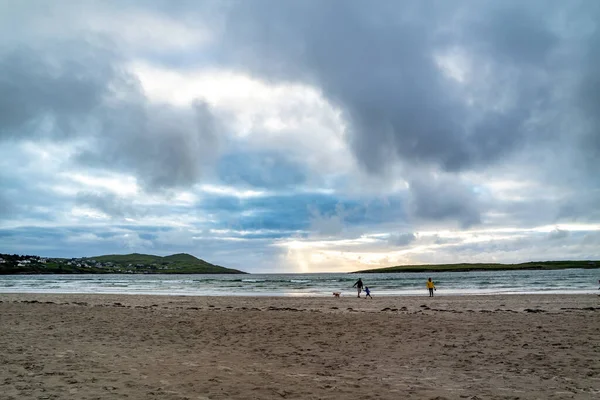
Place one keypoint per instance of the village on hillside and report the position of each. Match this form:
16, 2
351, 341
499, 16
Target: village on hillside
25, 263
110, 264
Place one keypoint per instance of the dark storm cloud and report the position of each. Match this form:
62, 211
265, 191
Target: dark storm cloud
82, 93
33, 91
377, 61
589, 101
513, 33
163, 146
531, 65
442, 199
380, 64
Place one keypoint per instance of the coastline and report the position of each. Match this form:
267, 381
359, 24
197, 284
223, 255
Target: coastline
483, 302
76, 346
480, 267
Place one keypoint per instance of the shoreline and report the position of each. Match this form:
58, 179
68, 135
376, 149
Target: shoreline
347, 294
551, 302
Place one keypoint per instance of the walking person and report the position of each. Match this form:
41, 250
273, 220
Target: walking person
368, 292
359, 286
431, 287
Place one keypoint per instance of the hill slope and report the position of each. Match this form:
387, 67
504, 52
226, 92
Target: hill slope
534, 265
111, 264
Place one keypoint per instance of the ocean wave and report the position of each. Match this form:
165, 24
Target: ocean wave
578, 281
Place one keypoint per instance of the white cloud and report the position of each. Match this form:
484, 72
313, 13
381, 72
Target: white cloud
509, 245
120, 184
231, 191
293, 119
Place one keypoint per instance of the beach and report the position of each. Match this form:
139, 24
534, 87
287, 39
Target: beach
76, 346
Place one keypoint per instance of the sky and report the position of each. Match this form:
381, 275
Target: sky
301, 136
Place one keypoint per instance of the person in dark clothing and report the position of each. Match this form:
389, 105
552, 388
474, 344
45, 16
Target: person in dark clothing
368, 292
359, 286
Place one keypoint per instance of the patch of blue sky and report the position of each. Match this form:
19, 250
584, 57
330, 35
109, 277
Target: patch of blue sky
266, 170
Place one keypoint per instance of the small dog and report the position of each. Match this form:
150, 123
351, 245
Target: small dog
336, 294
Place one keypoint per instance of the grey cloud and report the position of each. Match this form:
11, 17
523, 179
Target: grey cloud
440, 199
589, 101
24, 193
109, 204
591, 239
558, 234
163, 146
581, 206
83, 93
540, 206
401, 239
5, 206
535, 247
35, 92
436, 239
377, 62
531, 74
515, 33
532, 86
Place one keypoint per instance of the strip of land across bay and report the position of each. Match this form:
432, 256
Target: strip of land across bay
534, 265
187, 264
110, 264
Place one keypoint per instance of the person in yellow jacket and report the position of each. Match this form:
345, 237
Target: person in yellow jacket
431, 287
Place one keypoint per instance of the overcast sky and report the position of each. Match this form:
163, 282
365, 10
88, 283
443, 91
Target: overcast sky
301, 136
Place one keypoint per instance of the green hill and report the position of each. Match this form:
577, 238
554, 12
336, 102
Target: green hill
182, 257
111, 264
534, 265
134, 258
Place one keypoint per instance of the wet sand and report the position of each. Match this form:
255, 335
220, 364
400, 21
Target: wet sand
175, 347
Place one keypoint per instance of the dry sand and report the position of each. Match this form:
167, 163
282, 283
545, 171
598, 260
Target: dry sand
172, 347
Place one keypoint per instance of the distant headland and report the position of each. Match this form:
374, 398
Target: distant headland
534, 265
110, 264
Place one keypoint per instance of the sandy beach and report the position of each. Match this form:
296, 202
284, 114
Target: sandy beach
175, 347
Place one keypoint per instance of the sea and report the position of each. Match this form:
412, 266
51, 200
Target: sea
567, 281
